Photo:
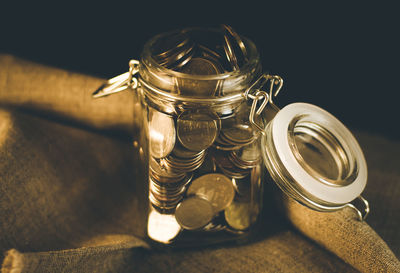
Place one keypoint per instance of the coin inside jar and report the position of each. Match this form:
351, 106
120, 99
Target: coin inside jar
197, 130
162, 133
235, 49
162, 227
238, 134
216, 188
237, 215
194, 212
174, 52
199, 66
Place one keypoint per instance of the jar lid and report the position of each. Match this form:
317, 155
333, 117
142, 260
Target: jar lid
313, 157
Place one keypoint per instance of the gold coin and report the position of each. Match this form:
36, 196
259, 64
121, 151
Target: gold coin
238, 215
194, 212
216, 188
200, 66
197, 131
198, 87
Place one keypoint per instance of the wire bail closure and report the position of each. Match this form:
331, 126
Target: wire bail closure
255, 93
120, 82
361, 216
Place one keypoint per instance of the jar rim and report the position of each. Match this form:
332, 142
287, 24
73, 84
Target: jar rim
149, 61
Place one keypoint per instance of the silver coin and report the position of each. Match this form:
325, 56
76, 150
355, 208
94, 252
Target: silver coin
194, 212
216, 188
162, 133
162, 227
196, 130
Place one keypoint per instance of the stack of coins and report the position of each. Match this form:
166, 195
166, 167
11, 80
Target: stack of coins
201, 162
166, 187
180, 51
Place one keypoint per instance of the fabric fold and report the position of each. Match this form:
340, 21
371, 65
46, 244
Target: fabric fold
61, 94
71, 198
344, 235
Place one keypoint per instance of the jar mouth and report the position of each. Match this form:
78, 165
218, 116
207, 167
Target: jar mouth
321, 153
313, 157
149, 60
209, 79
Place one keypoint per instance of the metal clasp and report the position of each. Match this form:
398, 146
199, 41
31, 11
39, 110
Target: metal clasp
361, 216
120, 82
255, 93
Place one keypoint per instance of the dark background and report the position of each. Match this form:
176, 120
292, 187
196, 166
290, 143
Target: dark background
340, 56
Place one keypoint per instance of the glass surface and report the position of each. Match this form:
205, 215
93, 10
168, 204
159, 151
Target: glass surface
320, 152
204, 167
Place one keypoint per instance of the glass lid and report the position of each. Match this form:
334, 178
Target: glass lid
313, 157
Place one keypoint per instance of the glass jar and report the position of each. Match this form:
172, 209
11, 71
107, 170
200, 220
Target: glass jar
207, 132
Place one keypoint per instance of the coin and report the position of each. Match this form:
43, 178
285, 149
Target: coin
162, 133
162, 174
227, 167
197, 130
198, 87
208, 166
200, 66
237, 44
166, 46
194, 212
181, 152
224, 146
216, 188
179, 59
247, 156
162, 227
165, 207
230, 55
238, 134
174, 51
249, 153
184, 165
238, 214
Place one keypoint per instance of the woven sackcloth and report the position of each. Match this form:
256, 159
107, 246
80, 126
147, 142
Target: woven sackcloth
69, 202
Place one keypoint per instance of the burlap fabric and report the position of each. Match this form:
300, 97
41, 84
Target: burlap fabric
68, 202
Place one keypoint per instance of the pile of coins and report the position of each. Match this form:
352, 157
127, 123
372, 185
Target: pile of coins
204, 167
